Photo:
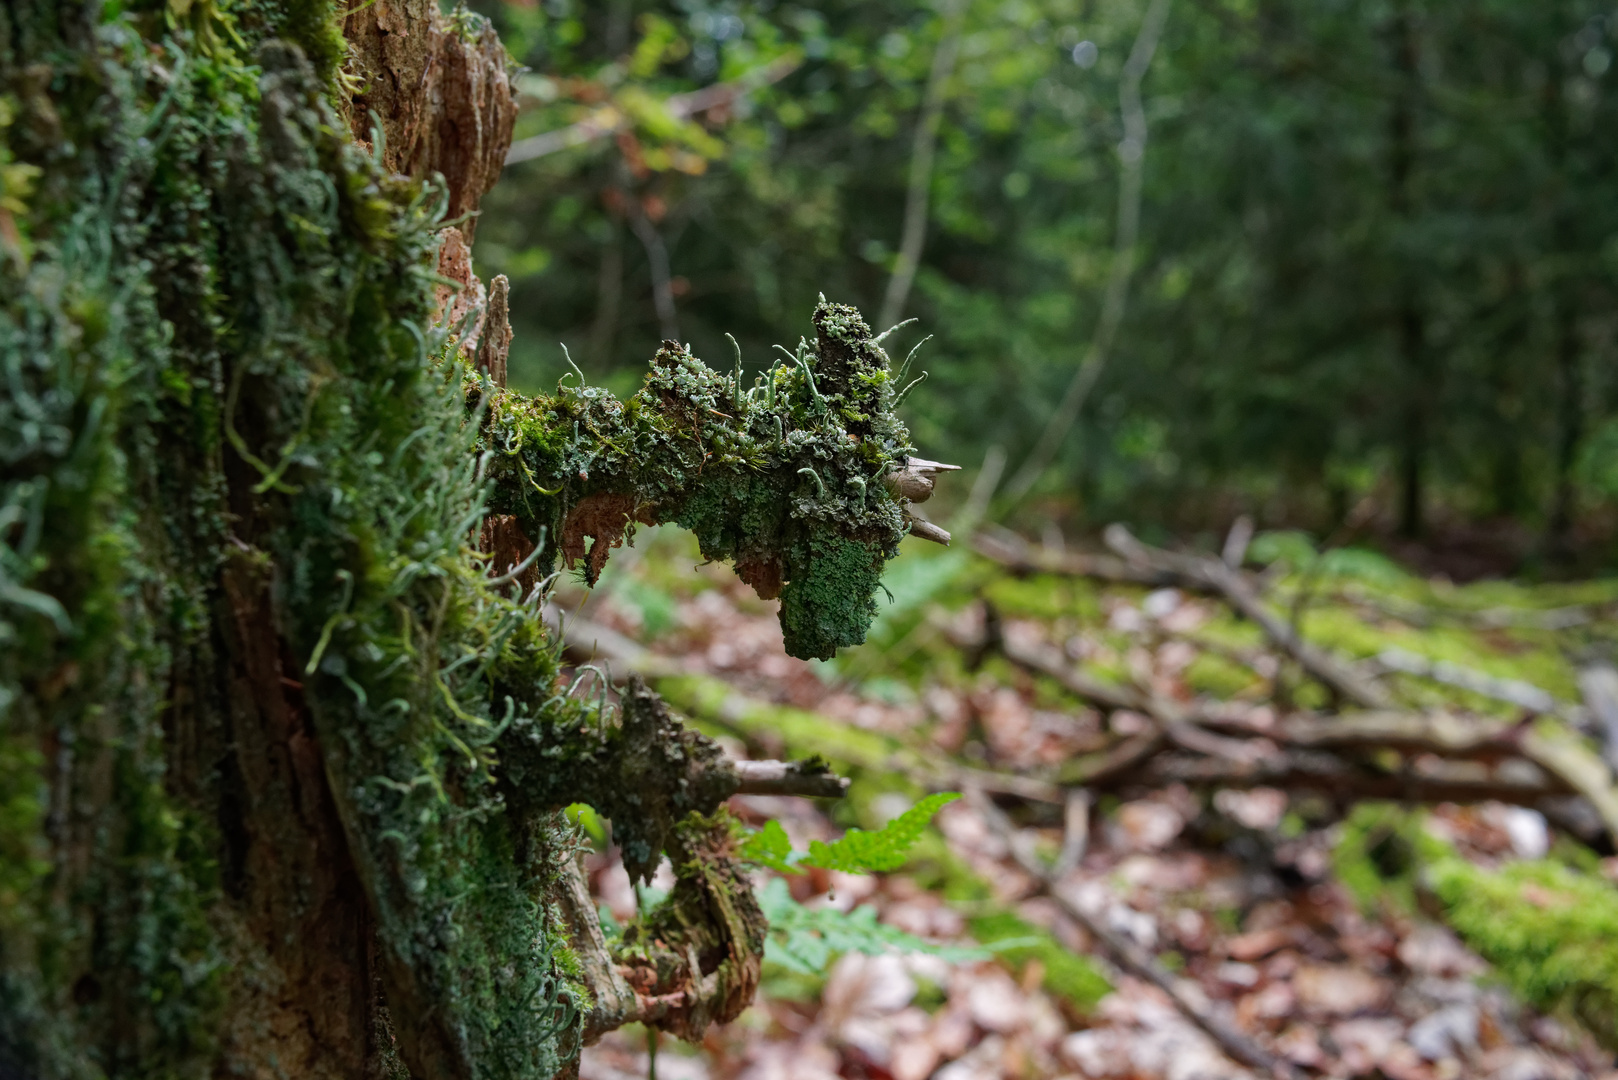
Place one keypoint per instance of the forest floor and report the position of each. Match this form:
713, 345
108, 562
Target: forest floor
1274, 909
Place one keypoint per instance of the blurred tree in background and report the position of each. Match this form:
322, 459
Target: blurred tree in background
1371, 286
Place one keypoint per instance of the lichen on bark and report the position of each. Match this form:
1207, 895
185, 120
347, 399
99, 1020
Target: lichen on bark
282, 756
784, 478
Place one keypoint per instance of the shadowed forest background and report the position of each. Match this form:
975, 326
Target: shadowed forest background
1370, 291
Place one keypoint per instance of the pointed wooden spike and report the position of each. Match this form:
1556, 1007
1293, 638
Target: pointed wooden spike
922, 465
926, 530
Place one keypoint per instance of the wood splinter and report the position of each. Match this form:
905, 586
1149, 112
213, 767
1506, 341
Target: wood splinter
926, 530
914, 484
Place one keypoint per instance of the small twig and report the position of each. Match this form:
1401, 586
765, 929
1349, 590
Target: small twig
1214, 575
1131, 957
1234, 553
1075, 833
808, 779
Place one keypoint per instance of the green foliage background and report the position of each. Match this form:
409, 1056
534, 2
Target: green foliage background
1319, 180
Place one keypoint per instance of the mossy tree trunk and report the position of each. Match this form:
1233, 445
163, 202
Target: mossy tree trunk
282, 751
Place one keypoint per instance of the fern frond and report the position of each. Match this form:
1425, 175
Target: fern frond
861, 852
858, 852
771, 848
805, 940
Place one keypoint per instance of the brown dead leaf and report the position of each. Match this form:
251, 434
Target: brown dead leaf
1435, 950
1258, 944
996, 1003
1338, 990
1149, 825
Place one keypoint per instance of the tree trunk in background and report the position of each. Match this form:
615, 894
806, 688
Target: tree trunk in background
1410, 329
1570, 429
1569, 371
1417, 413
1507, 483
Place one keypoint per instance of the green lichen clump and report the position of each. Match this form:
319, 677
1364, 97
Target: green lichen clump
645, 774
785, 478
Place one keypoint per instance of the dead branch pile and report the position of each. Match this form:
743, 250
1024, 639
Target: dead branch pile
1367, 748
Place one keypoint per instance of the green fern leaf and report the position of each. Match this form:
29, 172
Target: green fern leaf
861, 852
858, 852
769, 847
805, 940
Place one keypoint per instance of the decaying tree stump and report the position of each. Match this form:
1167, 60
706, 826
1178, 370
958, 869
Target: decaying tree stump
283, 745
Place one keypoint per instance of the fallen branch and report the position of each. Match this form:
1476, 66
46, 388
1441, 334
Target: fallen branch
586, 641
1137, 564
1129, 956
1598, 684
1020, 557
1474, 759
1212, 574
1332, 775
1511, 691
1414, 613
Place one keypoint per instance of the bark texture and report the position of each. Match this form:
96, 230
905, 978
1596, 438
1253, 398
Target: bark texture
439, 89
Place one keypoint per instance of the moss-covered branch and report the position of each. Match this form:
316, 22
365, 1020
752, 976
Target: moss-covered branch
786, 478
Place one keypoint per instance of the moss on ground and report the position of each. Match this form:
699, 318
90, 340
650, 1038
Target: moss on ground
1550, 929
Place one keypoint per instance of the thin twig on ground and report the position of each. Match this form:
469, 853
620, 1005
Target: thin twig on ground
1129, 956
1137, 563
1444, 757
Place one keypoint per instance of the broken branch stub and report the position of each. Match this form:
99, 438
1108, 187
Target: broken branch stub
694, 959
913, 483
812, 778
